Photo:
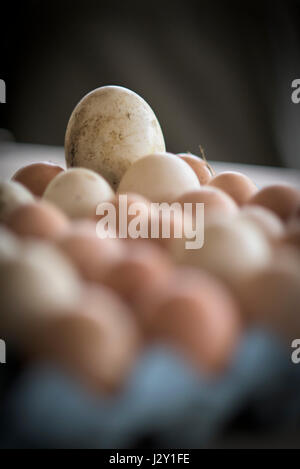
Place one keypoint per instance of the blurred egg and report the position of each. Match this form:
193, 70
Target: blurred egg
235, 184
279, 198
36, 176
291, 235
200, 318
38, 281
12, 195
200, 166
231, 249
267, 221
271, 297
9, 244
92, 256
160, 177
77, 192
37, 220
97, 340
144, 264
214, 200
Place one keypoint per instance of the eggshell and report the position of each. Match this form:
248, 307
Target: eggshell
97, 340
200, 318
279, 198
36, 176
9, 245
37, 220
267, 221
292, 235
144, 264
92, 256
109, 129
12, 194
77, 192
231, 249
214, 200
235, 184
160, 177
271, 297
38, 281
201, 167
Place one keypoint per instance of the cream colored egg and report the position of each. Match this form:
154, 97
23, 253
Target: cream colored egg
160, 177
109, 129
9, 244
12, 194
267, 221
38, 281
230, 250
78, 191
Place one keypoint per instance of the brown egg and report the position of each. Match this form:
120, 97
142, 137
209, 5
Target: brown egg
199, 317
92, 256
235, 184
200, 166
38, 220
214, 200
279, 198
97, 341
271, 296
144, 264
292, 235
270, 224
36, 176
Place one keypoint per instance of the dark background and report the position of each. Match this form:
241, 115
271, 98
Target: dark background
216, 73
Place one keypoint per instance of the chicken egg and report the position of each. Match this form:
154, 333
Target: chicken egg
36, 176
37, 220
77, 192
279, 198
12, 194
201, 167
199, 317
235, 184
97, 340
160, 177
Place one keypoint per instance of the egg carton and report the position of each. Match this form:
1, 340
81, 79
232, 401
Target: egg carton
164, 403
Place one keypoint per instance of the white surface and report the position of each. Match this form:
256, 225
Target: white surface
15, 155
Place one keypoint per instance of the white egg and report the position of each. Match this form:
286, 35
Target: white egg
160, 177
12, 194
78, 191
109, 129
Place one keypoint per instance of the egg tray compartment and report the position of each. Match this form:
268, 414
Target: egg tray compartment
164, 402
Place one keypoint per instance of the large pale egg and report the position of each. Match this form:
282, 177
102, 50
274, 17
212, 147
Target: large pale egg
77, 192
160, 177
12, 194
109, 129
